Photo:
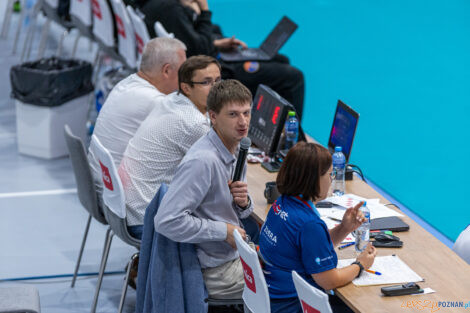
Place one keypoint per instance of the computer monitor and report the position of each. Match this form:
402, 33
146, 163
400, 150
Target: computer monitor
343, 129
268, 116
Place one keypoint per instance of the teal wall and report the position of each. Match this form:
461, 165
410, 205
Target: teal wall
405, 67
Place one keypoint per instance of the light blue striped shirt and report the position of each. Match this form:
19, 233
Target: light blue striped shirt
198, 203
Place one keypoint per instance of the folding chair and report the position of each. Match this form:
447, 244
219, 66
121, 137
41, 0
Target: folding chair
311, 299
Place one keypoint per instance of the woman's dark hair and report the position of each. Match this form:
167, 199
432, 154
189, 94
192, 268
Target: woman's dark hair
301, 170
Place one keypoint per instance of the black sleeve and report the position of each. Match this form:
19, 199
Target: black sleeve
196, 35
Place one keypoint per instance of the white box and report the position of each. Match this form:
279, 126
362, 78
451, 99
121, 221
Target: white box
40, 130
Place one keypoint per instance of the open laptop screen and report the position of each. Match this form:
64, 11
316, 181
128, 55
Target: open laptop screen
343, 129
278, 36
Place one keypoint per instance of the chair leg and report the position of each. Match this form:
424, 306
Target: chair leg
77, 266
7, 19
29, 35
44, 37
61, 43
18, 29
75, 45
107, 246
126, 282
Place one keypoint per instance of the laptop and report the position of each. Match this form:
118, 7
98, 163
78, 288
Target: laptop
343, 129
271, 45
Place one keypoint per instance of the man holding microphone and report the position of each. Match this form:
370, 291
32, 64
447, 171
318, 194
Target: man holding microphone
203, 205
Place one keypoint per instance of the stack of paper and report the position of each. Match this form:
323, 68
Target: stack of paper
377, 210
392, 268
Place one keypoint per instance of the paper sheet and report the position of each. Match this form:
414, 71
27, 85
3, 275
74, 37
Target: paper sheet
393, 269
331, 224
377, 210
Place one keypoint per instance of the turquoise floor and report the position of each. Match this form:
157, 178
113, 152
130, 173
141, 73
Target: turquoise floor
405, 66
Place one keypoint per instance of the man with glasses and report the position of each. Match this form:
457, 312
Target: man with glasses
163, 139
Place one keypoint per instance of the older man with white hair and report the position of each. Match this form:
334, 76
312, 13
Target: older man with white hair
133, 98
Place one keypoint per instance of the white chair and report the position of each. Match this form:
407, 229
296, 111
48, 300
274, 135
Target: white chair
115, 213
103, 32
141, 33
161, 31
255, 293
311, 299
126, 35
462, 245
80, 13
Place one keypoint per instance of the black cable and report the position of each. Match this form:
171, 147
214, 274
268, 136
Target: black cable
393, 204
356, 169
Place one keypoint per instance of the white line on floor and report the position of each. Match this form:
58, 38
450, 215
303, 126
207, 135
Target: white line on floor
37, 193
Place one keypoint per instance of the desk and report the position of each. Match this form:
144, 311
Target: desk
443, 270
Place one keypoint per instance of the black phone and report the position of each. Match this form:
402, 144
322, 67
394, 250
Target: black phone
400, 290
271, 167
387, 244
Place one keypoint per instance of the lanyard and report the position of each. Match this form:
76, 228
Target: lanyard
308, 205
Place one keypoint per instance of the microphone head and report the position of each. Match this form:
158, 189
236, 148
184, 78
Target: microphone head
245, 143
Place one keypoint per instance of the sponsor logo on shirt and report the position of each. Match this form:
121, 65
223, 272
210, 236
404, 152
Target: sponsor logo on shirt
307, 308
249, 278
270, 235
279, 211
318, 260
108, 183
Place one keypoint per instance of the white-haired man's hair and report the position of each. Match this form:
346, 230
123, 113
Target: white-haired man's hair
158, 52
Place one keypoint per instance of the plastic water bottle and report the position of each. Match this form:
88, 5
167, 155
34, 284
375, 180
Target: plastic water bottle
291, 130
339, 165
362, 233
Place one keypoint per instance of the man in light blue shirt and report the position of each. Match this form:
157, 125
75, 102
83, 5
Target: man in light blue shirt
203, 205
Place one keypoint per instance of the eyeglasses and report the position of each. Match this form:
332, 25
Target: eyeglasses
332, 174
207, 82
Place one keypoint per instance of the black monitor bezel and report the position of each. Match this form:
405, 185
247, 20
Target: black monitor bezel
347, 108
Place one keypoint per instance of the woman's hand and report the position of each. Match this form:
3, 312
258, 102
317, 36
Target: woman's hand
367, 256
353, 218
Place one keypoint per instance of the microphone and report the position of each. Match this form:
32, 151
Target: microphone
244, 145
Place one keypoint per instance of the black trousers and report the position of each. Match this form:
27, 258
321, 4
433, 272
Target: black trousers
277, 74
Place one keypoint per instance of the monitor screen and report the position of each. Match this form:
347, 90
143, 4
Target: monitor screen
343, 129
268, 116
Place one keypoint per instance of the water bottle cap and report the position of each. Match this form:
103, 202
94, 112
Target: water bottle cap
338, 149
365, 203
291, 113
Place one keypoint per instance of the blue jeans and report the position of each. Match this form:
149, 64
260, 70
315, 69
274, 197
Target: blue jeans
136, 231
292, 305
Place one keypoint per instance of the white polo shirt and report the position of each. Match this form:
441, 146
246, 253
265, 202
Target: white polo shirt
127, 106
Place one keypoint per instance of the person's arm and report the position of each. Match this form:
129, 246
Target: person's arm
352, 219
197, 35
339, 277
186, 192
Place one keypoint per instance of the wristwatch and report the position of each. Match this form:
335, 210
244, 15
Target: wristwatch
361, 268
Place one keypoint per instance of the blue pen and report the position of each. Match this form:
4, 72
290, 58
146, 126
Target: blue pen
346, 245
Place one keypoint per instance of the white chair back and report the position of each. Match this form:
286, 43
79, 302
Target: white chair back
255, 293
125, 30
53, 3
462, 245
161, 31
311, 299
103, 28
113, 193
141, 33
81, 9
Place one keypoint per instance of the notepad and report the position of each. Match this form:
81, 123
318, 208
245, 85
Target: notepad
392, 268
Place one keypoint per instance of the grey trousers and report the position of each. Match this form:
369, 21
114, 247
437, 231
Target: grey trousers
225, 281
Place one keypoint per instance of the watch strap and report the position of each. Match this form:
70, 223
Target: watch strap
361, 268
